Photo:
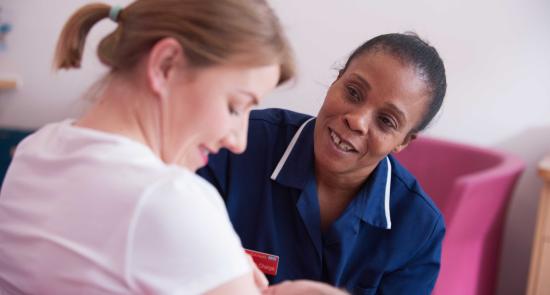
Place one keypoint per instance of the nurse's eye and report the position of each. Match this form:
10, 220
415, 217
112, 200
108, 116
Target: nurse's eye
353, 94
387, 123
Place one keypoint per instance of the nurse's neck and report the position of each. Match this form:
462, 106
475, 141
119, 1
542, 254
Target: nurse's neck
346, 182
335, 191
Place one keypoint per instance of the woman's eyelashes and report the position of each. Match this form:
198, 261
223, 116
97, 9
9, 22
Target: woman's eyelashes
353, 93
239, 105
238, 109
387, 123
233, 111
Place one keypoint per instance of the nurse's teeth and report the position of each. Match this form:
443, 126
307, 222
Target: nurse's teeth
345, 147
339, 143
335, 137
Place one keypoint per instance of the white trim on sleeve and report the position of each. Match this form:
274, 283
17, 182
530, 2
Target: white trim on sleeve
387, 195
289, 148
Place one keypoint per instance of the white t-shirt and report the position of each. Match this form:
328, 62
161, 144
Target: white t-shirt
87, 212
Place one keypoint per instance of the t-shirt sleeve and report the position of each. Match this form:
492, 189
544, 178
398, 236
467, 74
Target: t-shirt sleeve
183, 242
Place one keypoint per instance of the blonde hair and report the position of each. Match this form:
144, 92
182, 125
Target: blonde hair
211, 32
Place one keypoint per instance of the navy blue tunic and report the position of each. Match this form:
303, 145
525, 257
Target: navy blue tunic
387, 241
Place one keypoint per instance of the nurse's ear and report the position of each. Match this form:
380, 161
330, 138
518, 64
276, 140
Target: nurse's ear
164, 60
410, 137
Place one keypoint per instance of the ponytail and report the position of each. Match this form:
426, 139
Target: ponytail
211, 32
68, 53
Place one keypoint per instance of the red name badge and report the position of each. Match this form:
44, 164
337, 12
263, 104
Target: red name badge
267, 263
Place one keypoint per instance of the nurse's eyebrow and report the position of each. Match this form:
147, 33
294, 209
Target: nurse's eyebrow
362, 80
400, 115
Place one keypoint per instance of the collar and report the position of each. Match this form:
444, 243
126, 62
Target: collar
296, 167
374, 196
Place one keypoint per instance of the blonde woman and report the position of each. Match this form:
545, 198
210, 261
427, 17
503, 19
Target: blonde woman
109, 203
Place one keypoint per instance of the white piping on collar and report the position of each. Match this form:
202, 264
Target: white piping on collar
289, 148
387, 195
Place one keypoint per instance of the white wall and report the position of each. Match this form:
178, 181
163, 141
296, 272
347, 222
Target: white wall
44, 96
497, 55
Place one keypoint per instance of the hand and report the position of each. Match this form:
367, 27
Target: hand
303, 287
259, 278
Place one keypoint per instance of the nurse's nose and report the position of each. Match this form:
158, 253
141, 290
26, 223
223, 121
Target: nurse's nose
357, 121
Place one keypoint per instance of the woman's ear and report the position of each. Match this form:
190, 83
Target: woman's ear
410, 137
164, 59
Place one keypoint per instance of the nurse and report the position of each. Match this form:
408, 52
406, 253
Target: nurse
325, 195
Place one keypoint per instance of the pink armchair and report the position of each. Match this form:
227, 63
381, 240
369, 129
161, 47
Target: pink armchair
472, 187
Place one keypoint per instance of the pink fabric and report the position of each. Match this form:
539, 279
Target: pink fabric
472, 187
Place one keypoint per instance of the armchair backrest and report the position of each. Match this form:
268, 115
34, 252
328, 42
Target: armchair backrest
472, 187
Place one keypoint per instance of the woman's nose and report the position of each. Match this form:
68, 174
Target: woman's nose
236, 143
235, 140
357, 121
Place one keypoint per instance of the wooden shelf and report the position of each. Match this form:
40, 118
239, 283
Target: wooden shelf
8, 84
539, 271
544, 168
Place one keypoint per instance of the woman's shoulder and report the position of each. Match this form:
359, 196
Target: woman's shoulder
66, 139
183, 231
42, 135
177, 186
